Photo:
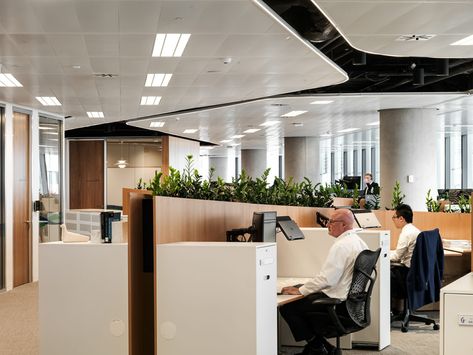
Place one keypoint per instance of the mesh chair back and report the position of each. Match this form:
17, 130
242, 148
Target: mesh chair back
359, 296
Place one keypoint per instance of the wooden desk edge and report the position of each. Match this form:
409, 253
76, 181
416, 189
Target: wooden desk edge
284, 299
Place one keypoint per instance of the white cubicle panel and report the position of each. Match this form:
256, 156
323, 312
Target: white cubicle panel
216, 298
456, 317
83, 298
305, 257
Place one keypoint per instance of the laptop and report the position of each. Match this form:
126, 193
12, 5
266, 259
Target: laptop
289, 228
366, 219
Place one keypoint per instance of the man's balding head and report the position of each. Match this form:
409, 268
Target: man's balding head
340, 221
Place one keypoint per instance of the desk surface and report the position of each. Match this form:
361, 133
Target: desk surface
289, 281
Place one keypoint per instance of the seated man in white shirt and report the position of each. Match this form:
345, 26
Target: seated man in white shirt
402, 218
333, 280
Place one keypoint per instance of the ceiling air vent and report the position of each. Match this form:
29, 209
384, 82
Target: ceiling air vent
413, 38
105, 75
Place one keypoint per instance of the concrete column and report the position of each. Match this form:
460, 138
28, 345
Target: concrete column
253, 161
224, 168
302, 158
408, 152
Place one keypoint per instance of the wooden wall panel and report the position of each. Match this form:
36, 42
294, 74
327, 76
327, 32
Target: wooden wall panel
21, 203
86, 174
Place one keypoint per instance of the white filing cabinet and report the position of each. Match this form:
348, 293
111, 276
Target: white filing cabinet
216, 298
83, 298
456, 317
305, 257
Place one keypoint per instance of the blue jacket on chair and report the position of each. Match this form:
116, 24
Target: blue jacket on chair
424, 279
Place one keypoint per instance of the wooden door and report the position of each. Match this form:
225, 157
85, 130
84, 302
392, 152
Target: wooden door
21, 201
86, 174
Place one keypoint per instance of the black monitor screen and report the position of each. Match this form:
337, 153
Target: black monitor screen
352, 182
264, 224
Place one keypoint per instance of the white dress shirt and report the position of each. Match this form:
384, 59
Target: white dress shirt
405, 245
337, 272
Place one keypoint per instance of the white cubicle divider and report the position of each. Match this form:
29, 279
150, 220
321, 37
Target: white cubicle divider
456, 317
83, 298
216, 298
305, 257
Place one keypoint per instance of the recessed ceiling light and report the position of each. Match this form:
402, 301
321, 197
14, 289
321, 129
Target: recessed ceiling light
298, 124
238, 136
269, 123
326, 135
376, 123
467, 41
170, 44
293, 113
53, 133
45, 127
321, 102
157, 80
150, 100
9, 81
156, 124
190, 130
252, 130
346, 130
76, 67
226, 141
95, 114
48, 100
207, 147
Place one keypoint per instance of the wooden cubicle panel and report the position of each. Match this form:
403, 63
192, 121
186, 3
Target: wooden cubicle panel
451, 225
126, 198
141, 284
179, 219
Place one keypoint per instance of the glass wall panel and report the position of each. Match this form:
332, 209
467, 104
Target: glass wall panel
50, 189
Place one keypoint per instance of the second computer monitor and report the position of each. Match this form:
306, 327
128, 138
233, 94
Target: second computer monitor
264, 224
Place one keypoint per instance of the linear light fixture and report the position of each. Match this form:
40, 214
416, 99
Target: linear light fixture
269, 123
347, 130
237, 136
95, 114
226, 141
326, 135
9, 81
293, 113
190, 130
156, 124
321, 102
48, 100
467, 41
150, 100
376, 123
170, 44
252, 130
157, 80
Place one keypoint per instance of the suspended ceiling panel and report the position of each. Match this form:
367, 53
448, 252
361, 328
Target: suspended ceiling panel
342, 112
60, 47
375, 26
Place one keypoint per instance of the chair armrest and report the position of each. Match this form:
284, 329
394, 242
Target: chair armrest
328, 301
398, 265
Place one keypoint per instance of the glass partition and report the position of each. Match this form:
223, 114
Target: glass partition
50, 190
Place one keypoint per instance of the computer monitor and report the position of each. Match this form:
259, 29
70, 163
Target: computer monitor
264, 227
289, 228
352, 182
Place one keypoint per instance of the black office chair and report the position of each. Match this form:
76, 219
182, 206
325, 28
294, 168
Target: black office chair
423, 279
353, 314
